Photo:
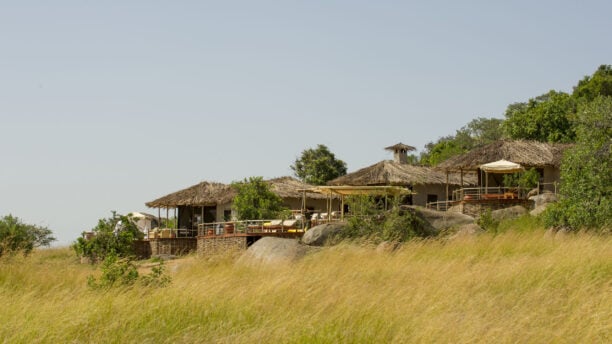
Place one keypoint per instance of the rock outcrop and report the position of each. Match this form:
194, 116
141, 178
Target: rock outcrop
270, 250
544, 198
318, 235
441, 220
508, 213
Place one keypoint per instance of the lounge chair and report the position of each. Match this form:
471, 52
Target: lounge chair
273, 225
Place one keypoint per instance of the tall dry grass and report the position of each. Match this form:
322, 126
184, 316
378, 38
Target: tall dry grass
513, 287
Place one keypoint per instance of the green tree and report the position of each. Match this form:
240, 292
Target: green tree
19, 237
441, 150
483, 130
599, 84
255, 200
528, 179
586, 174
477, 132
546, 118
318, 166
113, 235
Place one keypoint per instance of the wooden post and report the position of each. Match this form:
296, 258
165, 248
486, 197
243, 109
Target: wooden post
447, 185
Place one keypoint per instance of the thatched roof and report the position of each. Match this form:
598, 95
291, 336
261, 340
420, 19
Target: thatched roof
526, 153
392, 173
289, 187
400, 146
212, 194
202, 194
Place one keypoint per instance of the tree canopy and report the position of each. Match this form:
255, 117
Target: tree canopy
318, 166
546, 118
255, 200
477, 132
586, 174
599, 84
19, 237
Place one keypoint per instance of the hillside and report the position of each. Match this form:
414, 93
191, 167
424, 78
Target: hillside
513, 287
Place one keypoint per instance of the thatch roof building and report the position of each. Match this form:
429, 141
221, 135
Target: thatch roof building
393, 173
544, 157
289, 187
212, 194
210, 201
526, 153
201, 194
429, 184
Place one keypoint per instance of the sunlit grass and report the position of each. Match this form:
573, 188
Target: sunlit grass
512, 287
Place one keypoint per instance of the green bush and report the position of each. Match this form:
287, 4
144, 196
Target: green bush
255, 200
115, 234
528, 179
157, 277
487, 222
372, 221
586, 174
115, 272
123, 272
18, 237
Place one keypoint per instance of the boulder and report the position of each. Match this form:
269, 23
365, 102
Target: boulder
441, 220
508, 213
318, 235
544, 198
538, 210
270, 250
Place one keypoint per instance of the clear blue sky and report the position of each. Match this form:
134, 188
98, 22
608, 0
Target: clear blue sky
105, 105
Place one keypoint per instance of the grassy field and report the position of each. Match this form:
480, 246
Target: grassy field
513, 287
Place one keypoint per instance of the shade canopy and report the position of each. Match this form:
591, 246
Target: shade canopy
502, 166
346, 190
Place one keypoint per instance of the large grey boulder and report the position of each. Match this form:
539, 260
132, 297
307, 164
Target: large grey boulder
544, 198
441, 220
539, 209
270, 250
508, 213
318, 235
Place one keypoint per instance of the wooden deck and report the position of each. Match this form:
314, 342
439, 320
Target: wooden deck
253, 234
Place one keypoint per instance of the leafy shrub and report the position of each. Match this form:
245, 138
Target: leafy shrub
255, 200
18, 237
157, 277
586, 174
115, 234
528, 179
122, 272
487, 222
372, 221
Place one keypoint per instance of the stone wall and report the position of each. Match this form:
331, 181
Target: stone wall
220, 245
172, 246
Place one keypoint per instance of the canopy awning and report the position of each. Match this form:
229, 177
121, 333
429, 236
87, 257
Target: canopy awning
502, 166
346, 190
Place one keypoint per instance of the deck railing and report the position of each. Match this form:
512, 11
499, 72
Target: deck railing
489, 193
440, 205
492, 193
258, 226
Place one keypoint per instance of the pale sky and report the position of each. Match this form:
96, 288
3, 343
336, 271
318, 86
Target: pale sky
106, 105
